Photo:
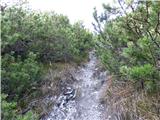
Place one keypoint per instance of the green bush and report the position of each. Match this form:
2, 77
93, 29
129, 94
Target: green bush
9, 112
17, 75
147, 74
128, 43
146, 71
49, 35
30, 40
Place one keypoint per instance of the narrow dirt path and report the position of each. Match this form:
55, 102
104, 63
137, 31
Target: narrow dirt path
82, 100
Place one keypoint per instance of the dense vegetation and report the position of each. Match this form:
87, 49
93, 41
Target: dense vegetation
30, 41
127, 41
129, 45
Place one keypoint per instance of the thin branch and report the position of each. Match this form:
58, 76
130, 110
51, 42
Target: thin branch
158, 23
153, 39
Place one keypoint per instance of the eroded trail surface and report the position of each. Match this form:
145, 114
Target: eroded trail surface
81, 101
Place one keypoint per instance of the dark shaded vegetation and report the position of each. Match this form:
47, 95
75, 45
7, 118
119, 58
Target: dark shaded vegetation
30, 41
127, 41
128, 44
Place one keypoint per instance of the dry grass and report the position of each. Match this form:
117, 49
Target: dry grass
122, 98
57, 75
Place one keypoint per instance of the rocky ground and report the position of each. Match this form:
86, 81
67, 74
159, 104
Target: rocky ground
80, 93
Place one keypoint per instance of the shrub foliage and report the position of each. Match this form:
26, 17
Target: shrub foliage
128, 41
